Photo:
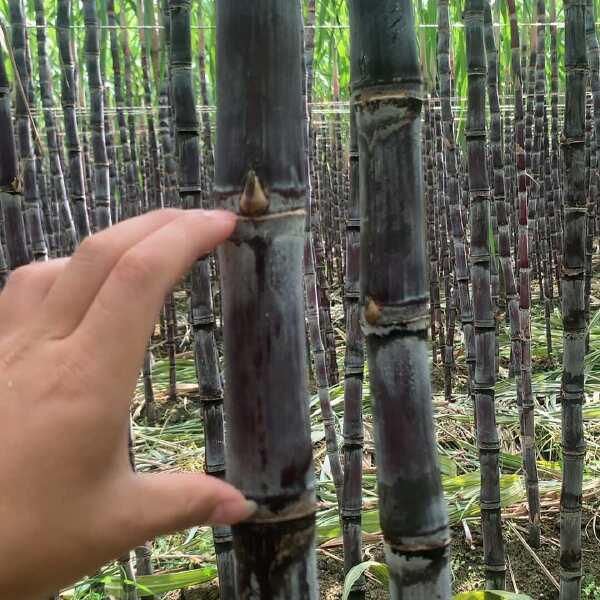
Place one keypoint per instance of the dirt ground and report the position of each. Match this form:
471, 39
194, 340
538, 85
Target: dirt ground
467, 564
524, 572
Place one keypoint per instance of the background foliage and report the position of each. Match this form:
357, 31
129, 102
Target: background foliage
332, 41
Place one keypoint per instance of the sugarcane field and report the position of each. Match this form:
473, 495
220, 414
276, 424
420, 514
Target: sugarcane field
389, 346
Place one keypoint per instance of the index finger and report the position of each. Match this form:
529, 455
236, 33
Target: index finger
74, 290
130, 299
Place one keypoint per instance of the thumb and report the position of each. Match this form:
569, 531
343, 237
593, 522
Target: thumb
175, 501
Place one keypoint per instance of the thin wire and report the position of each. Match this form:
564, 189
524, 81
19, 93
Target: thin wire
328, 26
332, 107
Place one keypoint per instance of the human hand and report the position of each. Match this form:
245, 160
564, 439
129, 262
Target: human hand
74, 332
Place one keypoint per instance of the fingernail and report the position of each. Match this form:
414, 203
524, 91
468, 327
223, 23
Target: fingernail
221, 215
233, 512
251, 508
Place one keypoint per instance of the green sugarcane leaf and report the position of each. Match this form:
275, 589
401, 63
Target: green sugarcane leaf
3, 43
164, 582
448, 466
378, 570
492, 241
491, 595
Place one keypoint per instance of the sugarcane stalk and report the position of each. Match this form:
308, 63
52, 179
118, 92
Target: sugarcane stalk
33, 219
387, 91
157, 199
499, 189
447, 324
132, 191
593, 50
101, 178
544, 269
210, 391
555, 221
69, 105
461, 269
315, 335
263, 180
11, 193
573, 299
351, 509
483, 308
47, 95
129, 101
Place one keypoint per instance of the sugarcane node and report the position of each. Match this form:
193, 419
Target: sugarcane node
491, 506
420, 548
568, 575
576, 454
351, 513
411, 91
304, 506
572, 272
253, 201
496, 568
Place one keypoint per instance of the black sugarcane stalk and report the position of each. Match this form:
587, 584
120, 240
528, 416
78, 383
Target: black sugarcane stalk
166, 142
132, 191
436, 323
317, 225
546, 232
444, 247
33, 215
325, 202
320, 364
573, 299
171, 193
324, 230
129, 101
116, 192
101, 178
446, 256
485, 322
388, 95
555, 221
69, 105
535, 196
461, 269
523, 362
43, 216
263, 179
499, 190
87, 166
206, 127
210, 391
47, 95
157, 199
544, 269
11, 193
353, 374
431, 249
337, 159
315, 336
593, 50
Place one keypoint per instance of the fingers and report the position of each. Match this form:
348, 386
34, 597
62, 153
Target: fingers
74, 290
172, 502
26, 289
134, 292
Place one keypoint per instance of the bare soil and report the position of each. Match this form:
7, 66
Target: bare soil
525, 575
